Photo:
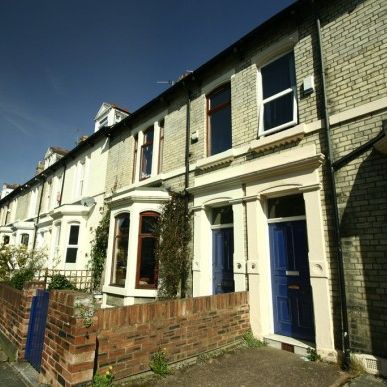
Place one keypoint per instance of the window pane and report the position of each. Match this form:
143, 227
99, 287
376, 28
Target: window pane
122, 222
220, 97
74, 232
148, 261
278, 112
146, 167
148, 224
222, 215
24, 239
120, 254
148, 136
276, 76
286, 206
71, 254
6, 239
220, 125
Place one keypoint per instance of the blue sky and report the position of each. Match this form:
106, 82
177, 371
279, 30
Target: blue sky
60, 59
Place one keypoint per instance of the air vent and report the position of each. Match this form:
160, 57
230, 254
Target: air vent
371, 365
287, 347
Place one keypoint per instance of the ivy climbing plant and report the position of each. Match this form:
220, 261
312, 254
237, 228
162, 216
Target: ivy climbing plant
172, 252
98, 250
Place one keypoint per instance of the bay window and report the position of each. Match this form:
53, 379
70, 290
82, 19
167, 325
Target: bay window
146, 259
120, 250
72, 246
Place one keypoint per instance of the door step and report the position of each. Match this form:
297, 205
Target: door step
299, 347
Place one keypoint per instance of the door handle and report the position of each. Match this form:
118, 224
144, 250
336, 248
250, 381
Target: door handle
293, 273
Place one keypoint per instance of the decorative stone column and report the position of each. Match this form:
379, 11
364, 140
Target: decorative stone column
319, 277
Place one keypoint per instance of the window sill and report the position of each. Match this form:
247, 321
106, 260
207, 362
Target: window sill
287, 136
147, 287
216, 160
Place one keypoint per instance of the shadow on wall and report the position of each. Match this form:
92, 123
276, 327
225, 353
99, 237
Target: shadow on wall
364, 240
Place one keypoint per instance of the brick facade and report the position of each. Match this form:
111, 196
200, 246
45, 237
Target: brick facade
354, 43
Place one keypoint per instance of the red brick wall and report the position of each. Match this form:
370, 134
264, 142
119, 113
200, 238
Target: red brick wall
126, 337
69, 347
185, 328
15, 307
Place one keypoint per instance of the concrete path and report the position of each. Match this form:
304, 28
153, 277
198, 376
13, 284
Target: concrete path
367, 381
252, 368
9, 377
17, 374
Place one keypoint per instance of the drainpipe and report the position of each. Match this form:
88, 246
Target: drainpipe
246, 238
186, 161
61, 188
39, 209
187, 137
336, 219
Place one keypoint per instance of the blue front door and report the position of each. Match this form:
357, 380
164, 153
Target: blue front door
292, 293
222, 253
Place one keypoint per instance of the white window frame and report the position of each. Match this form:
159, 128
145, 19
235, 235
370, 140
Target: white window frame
33, 202
68, 242
155, 153
58, 229
50, 193
80, 178
104, 121
292, 89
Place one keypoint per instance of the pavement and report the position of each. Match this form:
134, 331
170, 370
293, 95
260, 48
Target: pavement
246, 367
254, 367
17, 374
366, 381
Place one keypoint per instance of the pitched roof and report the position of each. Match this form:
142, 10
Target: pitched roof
59, 150
11, 186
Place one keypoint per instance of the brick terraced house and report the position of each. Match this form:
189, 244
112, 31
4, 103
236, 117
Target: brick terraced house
280, 142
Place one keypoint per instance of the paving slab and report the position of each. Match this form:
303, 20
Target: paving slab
250, 367
367, 381
9, 377
27, 373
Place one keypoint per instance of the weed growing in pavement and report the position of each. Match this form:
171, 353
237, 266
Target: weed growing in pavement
252, 342
312, 354
105, 380
356, 366
159, 363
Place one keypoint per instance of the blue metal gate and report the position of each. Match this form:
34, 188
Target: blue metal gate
37, 328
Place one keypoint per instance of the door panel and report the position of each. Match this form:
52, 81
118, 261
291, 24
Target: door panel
222, 255
292, 293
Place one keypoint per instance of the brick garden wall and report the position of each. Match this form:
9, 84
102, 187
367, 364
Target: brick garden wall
15, 307
128, 336
69, 346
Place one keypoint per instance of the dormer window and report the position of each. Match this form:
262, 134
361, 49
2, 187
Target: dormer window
109, 115
104, 122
